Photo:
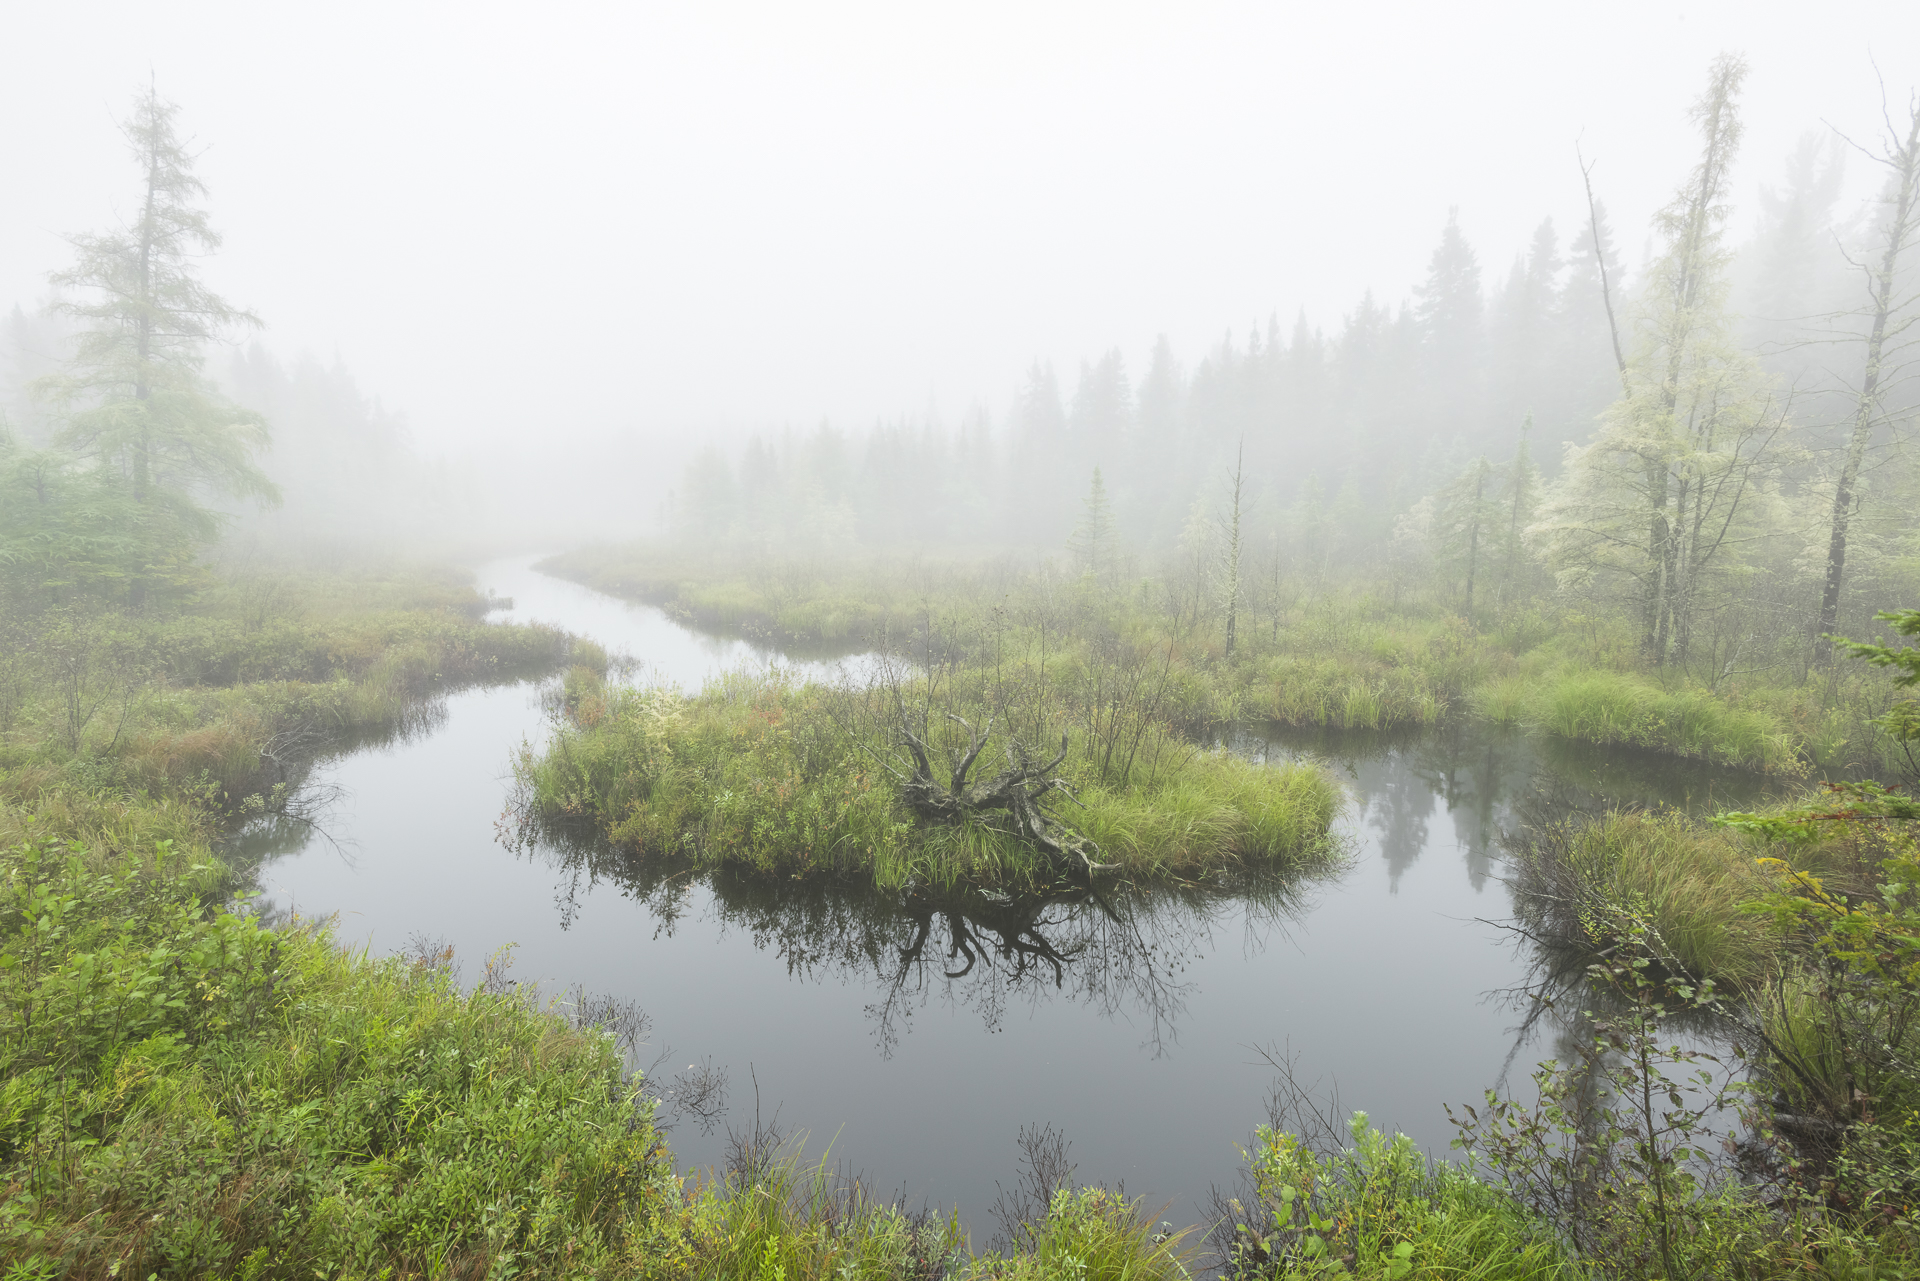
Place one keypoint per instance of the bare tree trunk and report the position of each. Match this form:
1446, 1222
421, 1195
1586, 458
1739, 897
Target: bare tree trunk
1904, 160
1233, 548
1473, 534
1016, 792
142, 392
1600, 258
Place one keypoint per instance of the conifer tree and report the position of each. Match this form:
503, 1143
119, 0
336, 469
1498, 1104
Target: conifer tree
1449, 311
1092, 541
135, 403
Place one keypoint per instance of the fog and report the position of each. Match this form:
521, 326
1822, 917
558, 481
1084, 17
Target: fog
976, 563
565, 248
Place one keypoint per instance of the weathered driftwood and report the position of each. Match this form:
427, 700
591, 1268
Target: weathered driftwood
1015, 793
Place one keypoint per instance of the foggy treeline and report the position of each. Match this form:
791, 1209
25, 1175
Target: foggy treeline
344, 464
1359, 419
1710, 436
1476, 429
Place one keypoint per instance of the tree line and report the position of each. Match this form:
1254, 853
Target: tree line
1712, 442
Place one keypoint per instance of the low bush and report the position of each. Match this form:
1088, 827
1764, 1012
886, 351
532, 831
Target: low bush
188, 1093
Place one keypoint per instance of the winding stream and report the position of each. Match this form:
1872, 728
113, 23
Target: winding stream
1131, 1026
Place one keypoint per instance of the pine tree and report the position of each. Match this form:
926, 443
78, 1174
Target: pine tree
1092, 541
1449, 311
134, 399
1102, 404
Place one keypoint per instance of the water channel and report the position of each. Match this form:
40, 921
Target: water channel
1133, 1026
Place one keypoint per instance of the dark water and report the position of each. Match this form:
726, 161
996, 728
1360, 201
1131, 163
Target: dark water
1131, 1023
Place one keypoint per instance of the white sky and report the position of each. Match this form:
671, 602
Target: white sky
561, 222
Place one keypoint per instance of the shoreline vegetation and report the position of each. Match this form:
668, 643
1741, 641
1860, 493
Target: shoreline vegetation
1341, 659
190, 1090
781, 777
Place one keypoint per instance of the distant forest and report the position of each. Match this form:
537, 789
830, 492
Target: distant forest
1696, 437
1367, 450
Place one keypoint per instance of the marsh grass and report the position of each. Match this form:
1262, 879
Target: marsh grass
223, 698
775, 775
1341, 658
1581, 886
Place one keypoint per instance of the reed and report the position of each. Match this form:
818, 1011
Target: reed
1584, 885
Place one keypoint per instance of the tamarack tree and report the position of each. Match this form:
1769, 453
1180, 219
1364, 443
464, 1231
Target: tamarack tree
147, 436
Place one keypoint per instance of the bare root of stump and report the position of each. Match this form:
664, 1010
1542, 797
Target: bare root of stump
1015, 792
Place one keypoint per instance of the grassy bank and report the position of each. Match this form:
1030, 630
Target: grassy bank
225, 695
774, 775
1331, 655
190, 1094
187, 1092
1581, 886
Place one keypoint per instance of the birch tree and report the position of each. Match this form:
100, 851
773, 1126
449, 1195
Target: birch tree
1664, 498
1890, 310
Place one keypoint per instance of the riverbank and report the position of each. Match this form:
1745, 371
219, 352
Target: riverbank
279, 1097
1343, 657
225, 697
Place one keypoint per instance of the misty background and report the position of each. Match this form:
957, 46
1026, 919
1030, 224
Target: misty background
864, 274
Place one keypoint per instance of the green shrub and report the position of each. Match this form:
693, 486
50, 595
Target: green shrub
189, 1093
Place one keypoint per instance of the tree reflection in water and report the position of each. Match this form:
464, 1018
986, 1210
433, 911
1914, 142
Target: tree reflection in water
1122, 949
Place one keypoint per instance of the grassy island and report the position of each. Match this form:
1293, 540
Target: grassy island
779, 775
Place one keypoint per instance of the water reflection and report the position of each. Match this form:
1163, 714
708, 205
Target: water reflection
866, 1018
1123, 951
1487, 781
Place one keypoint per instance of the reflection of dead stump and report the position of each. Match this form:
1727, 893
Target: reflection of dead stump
1015, 793
1017, 925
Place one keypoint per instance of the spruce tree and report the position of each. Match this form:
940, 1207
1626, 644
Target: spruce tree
158, 437
1092, 541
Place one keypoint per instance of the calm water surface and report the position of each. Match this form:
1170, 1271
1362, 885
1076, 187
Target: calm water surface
1129, 1024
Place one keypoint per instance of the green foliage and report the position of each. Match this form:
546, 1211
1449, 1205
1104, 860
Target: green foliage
1611, 709
773, 775
1590, 887
145, 436
189, 1093
1342, 659
1617, 1152
227, 691
1377, 1209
